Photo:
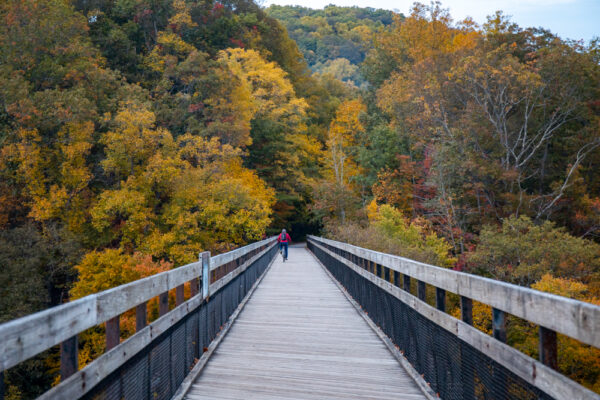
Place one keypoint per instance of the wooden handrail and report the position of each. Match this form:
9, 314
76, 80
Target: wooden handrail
537, 373
26, 337
576, 319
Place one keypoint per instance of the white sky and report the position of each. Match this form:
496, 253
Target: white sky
573, 19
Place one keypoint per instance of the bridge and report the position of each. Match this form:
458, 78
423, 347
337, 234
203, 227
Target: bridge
334, 322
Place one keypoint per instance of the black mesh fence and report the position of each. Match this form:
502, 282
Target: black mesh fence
453, 368
156, 372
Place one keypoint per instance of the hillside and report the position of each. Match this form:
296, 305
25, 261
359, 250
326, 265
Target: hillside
333, 40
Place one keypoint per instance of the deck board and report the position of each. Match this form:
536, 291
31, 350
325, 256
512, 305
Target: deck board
298, 337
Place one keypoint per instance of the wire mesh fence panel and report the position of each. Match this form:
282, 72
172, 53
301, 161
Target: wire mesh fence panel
156, 372
453, 368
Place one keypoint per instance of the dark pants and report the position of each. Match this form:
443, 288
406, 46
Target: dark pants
283, 246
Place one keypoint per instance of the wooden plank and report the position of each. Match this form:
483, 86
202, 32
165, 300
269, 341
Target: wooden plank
530, 370
573, 318
81, 382
225, 258
191, 377
117, 300
230, 276
410, 370
299, 338
25, 337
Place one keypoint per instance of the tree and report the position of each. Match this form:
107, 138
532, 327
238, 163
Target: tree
522, 252
337, 192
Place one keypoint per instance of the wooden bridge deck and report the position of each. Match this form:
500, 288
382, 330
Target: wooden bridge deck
298, 337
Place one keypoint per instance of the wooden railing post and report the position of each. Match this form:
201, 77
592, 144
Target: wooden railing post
548, 348
440, 299
113, 333
140, 316
68, 358
421, 291
205, 259
499, 324
466, 310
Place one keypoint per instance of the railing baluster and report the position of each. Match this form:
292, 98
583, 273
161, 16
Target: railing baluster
440, 299
68, 358
140, 316
1, 385
386, 274
421, 291
406, 283
397, 278
499, 324
163, 304
194, 287
467, 369
179, 295
113, 333
466, 310
548, 348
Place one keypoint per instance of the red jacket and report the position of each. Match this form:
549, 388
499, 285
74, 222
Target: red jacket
287, 238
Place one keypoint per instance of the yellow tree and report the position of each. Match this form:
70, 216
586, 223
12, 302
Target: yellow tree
55, 177
340, 143
272, 93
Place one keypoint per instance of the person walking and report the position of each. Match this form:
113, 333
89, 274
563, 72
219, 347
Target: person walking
284, 239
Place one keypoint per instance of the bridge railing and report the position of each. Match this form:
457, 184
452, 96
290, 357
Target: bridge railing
152, 363
458, 360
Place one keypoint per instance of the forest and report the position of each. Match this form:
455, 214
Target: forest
135, 134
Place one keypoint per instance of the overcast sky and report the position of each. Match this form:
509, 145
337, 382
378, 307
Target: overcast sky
573, 19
